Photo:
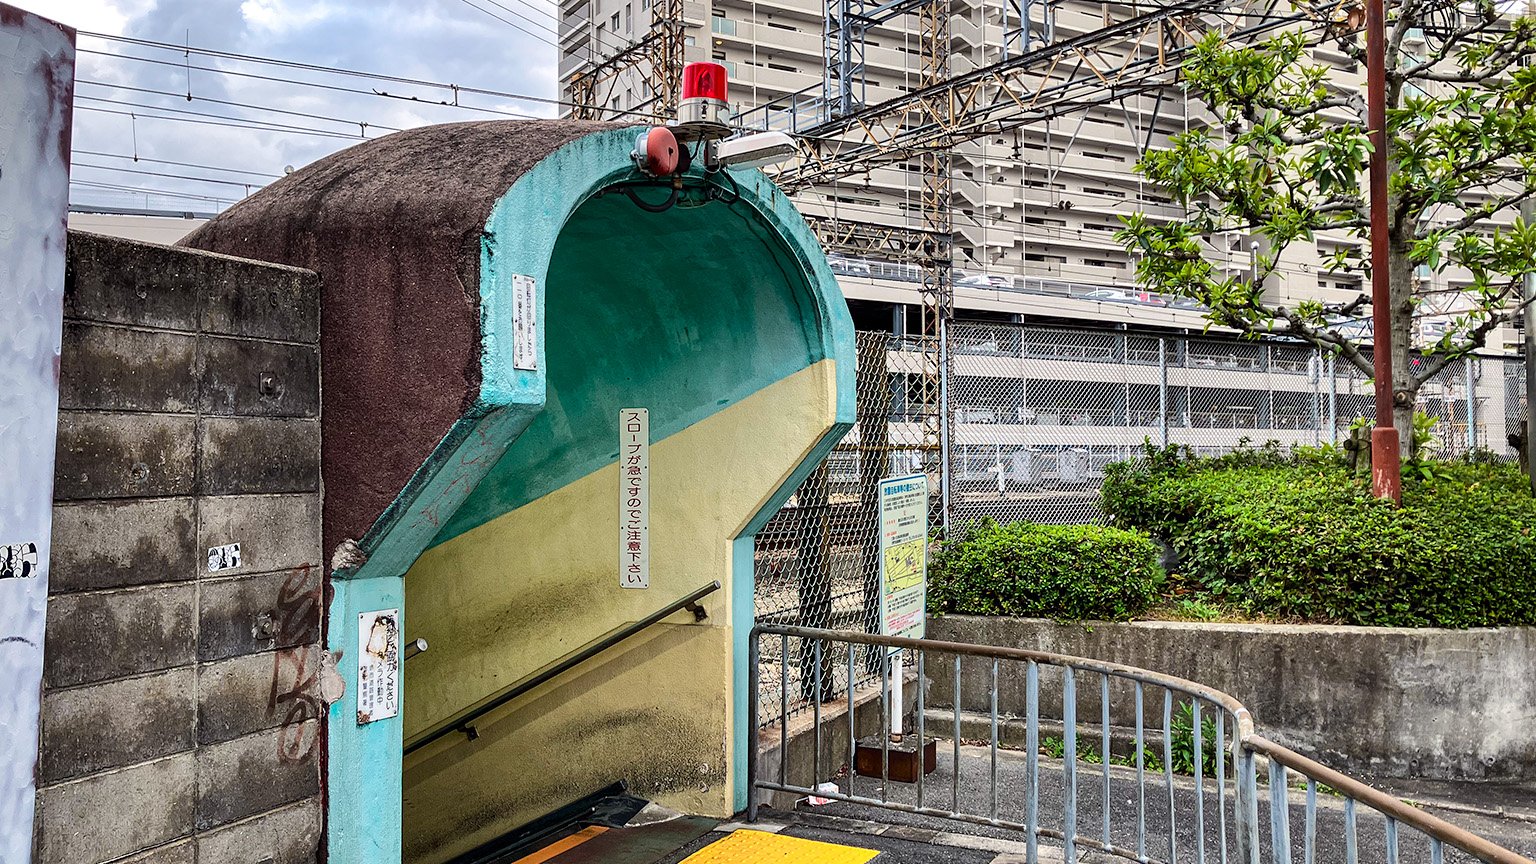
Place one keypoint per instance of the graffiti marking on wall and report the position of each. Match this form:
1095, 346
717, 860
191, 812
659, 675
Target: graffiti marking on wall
296, 670
18, 561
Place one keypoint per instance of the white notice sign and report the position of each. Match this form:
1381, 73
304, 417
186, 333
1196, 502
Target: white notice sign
525, 323
378, 665
634, 498
904, 556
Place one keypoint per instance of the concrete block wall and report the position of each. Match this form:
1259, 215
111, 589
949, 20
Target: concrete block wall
182, 708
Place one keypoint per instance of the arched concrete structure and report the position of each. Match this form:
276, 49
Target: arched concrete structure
483, 497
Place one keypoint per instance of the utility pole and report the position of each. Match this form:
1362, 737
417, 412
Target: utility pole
1386, 446
1528, 211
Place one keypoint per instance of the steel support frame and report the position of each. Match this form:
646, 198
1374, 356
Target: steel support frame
1100, 67
657, 57
937, 288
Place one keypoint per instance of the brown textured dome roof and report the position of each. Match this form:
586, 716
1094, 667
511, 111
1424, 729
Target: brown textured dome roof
393, 228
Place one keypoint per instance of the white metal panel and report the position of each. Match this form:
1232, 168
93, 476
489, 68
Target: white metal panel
37, 60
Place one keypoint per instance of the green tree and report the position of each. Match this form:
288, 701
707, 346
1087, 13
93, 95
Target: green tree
1286, 157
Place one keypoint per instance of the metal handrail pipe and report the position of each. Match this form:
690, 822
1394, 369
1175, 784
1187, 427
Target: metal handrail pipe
1388, 805
462, 721
1183, 685
1245, 746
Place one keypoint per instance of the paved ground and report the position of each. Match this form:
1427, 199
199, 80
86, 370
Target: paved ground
1476, 808
894, 849
1138, 821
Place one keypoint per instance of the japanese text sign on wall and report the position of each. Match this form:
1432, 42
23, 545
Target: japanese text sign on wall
525, 323
904, 556
634, 498
378, 665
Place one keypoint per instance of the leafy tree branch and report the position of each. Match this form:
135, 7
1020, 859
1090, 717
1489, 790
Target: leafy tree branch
1284, 162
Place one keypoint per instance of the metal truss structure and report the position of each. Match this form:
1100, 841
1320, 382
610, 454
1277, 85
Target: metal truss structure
1039, 77
657, 57
1138, 55
938, 290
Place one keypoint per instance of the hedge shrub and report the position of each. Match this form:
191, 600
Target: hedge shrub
1067, 572
1301, 538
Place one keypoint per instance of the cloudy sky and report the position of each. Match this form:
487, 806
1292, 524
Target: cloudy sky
441, 41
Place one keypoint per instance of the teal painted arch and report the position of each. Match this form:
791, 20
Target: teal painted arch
732, 251
684, 312
715, 302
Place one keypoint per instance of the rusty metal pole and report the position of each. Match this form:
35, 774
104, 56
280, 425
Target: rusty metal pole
1386, 474
1528, 212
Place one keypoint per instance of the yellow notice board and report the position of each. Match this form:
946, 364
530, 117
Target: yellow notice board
903, 556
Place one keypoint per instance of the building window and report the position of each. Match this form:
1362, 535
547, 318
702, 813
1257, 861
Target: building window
614, 22
629, 18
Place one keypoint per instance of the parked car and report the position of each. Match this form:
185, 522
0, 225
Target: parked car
995, 282
847, 267
1107, 295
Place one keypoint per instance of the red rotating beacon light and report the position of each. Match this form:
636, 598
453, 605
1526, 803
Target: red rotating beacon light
702, 112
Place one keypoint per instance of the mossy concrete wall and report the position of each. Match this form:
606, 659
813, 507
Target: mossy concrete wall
1396, 702
183, 702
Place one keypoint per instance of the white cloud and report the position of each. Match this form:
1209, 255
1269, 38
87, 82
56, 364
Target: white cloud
102, 16
280, 16
437, 40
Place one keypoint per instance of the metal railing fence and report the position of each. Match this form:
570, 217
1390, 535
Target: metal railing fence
1223, 792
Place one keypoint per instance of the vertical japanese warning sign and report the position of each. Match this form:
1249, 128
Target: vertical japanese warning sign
525, 323
903, 556
378, 665
634, 498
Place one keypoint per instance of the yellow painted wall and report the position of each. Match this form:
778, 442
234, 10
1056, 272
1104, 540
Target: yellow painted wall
504, 599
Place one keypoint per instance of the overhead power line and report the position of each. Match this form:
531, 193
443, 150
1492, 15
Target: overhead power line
267, 108
532, 8
118, 187
247, 185
197, 165
261, 125
613, 40
455, 89
300, 83
518, 27
206, 122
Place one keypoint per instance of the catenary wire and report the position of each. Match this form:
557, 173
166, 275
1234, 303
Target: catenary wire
247, 105
197, 165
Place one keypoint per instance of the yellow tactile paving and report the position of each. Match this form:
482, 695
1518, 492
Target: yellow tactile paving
760, 847
561, 845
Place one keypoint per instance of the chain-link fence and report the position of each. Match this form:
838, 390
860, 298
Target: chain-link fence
817, 560
1036, 413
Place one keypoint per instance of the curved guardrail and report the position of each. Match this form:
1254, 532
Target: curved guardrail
1211, 811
